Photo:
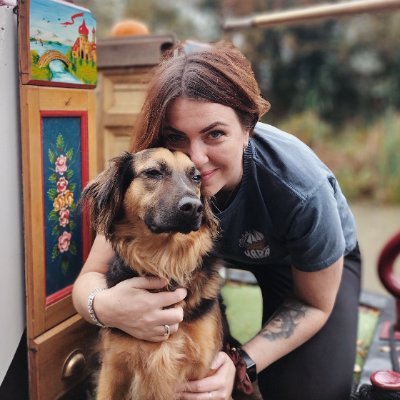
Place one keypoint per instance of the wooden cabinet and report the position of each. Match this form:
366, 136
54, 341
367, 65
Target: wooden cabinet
58, 158
61, 150
125, 66
58, 73
61, 358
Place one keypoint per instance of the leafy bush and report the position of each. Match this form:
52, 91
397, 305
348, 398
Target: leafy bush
365, 157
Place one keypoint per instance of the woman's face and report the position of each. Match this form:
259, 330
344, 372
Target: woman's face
212, 136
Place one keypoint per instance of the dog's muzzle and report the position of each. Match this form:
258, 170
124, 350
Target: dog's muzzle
185, 217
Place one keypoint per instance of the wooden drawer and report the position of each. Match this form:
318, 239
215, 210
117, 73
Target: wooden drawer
61, 358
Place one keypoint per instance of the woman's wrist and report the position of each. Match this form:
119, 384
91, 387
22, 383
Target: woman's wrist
245, 370
90, 306
251, 367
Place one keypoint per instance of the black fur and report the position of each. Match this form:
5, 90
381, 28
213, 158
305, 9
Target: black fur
118, 271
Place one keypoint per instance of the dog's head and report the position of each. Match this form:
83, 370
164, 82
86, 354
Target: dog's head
156, 187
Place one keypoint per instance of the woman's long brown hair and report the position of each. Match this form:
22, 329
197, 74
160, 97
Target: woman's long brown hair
217, 74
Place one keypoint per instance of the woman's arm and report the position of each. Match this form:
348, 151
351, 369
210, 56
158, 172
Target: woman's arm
92, 275
129, 305
296, 321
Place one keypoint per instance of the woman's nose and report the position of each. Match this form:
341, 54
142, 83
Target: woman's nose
198, 154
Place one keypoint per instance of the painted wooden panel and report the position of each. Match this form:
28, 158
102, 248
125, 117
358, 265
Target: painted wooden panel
65, 171
58, 158
58, 44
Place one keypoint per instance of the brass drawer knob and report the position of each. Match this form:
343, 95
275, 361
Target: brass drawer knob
74, 365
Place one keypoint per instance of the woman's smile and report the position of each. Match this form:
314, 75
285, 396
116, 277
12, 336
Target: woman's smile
207, 175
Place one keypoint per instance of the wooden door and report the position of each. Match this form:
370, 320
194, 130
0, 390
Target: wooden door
57, 56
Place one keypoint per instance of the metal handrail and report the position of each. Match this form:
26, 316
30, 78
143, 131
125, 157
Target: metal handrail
322, 11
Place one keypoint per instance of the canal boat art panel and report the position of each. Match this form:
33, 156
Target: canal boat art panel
58, 158
65, 171
58, 47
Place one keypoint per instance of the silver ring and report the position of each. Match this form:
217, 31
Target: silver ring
166, 330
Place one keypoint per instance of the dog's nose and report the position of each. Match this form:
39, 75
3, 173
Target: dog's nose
190, 206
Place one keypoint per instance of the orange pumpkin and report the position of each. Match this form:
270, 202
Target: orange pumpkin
129, 27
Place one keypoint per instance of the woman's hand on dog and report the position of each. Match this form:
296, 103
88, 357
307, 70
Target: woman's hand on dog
131, 307
217, 386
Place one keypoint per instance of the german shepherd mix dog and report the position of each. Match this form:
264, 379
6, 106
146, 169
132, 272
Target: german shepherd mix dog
149, 206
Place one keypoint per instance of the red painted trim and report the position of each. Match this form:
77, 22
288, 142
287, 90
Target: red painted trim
53, 298
60, 84
85, 179
61, 294
43, 114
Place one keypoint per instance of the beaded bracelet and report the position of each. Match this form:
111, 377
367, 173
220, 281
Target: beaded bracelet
90, 308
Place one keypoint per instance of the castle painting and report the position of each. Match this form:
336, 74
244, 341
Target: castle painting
62, 44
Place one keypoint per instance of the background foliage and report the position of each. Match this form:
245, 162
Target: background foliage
335, 84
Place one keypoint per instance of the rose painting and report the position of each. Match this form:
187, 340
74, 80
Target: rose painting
62, 166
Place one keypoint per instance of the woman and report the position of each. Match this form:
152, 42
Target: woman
283, 217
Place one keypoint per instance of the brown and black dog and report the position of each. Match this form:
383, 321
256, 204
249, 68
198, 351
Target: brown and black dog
149, 206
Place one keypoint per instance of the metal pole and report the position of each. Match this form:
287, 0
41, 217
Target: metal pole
310, 13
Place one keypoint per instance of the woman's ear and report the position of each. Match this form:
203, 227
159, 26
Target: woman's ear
246, 138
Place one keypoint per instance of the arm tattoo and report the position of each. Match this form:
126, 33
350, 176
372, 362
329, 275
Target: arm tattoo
284, 320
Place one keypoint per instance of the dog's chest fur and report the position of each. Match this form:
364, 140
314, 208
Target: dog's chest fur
203, 285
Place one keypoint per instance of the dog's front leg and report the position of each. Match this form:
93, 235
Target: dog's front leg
114, 380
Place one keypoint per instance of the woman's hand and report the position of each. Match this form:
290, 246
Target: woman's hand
130, 306
218, 386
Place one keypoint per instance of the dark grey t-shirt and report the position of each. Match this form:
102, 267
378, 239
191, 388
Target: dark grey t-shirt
289, 209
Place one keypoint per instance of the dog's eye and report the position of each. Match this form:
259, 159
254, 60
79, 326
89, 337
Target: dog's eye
153, 173
196, 177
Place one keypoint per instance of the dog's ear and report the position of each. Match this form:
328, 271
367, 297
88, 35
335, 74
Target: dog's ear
209, 218
104, 195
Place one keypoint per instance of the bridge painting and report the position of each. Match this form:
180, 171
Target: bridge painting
62, 45
50, 56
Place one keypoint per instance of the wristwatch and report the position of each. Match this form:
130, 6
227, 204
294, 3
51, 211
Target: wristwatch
251, 368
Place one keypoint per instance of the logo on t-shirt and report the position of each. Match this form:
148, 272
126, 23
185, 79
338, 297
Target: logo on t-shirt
254, 244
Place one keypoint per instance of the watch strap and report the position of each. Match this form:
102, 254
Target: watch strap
250, 365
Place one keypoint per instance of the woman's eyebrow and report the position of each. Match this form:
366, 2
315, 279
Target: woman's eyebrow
212, 126
170, 128
204, 130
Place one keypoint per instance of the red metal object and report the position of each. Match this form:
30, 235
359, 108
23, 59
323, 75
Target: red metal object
386, 380
386, 274
385, 331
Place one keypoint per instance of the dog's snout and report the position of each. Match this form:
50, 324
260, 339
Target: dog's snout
190, 206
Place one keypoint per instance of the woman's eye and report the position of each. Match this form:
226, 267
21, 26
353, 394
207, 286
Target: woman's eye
153, 173
215, 134
174, 138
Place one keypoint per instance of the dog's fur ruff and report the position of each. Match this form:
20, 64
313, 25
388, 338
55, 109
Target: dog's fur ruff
149, 206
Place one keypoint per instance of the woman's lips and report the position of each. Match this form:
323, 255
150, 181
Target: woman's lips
207, 175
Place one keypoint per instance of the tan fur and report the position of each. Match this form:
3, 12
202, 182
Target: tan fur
133, 368
164, 255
